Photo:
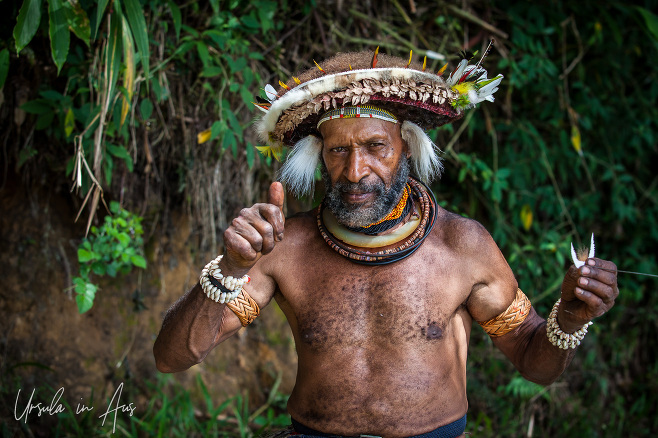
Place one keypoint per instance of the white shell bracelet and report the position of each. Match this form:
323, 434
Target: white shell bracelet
217, 287
559, 338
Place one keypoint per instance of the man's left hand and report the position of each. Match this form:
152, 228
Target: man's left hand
587, 292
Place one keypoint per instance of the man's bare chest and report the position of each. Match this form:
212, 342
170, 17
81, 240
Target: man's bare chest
344, 305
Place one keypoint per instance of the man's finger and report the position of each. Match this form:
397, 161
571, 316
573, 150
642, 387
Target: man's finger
276, 195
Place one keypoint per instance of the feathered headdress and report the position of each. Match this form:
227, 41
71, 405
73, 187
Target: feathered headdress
415, 96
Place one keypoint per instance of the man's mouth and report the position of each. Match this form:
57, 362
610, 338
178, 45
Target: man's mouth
356, 197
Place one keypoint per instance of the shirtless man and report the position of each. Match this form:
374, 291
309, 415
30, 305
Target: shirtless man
382, 346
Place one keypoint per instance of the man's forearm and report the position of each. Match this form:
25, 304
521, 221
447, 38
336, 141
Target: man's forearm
191, 328
532, 353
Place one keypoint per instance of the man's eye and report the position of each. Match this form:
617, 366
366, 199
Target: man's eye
339, 149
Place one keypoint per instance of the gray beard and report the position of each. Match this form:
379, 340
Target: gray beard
355, 215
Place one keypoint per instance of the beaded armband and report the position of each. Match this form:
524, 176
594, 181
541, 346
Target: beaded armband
217, 287
510, 319
560, 339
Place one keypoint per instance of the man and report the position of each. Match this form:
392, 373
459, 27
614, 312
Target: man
379, 284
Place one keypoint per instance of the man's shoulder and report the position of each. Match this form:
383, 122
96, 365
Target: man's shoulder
459, 231
301, 225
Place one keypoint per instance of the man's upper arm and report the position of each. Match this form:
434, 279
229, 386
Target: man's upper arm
495, 286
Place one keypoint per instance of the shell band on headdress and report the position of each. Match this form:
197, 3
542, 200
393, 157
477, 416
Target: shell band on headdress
349, 112
419, 99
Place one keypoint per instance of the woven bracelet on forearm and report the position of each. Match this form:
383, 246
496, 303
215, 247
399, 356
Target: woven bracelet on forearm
510, 319
244, 307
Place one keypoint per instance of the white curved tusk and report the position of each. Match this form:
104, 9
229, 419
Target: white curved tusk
591, 248
574, 257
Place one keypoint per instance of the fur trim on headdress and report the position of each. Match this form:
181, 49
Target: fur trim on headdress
298, 172
424, 154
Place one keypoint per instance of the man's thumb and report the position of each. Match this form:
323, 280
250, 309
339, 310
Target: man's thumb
276, 195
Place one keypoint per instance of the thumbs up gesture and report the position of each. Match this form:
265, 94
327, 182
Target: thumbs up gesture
254, 233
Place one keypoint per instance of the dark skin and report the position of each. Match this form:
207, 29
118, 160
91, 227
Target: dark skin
382, 350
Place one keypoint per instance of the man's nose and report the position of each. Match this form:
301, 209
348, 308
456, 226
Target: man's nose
357, 166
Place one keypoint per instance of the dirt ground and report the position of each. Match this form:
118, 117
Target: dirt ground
45, 342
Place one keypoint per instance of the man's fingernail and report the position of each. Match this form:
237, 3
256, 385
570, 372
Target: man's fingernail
586, 270
591, 262
583, 281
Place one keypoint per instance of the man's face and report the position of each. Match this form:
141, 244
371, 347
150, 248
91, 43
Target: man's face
365, 167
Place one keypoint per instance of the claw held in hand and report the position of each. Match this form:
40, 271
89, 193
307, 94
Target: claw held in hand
576, 259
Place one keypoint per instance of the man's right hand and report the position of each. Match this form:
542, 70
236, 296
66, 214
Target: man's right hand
254, 233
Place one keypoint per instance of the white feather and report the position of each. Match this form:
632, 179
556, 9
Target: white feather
271, 93
298, 172
424, 154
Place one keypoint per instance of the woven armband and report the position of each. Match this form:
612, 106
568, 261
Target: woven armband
244, 307
510, 319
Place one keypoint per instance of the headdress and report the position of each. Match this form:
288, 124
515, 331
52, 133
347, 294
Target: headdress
421, 99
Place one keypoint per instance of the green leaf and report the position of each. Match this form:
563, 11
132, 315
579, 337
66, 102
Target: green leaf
27, 23
84, 255
69, 123
113, 52
251, 21
37, 106
211, 72
124, 239
202, 50
175, 17
59, 32
237, 65
44, 121
86, 292
651, 20
129, 72
229, 141
52, 95
4, 66
146, 109
137, 22
120, 152
138, 261
233, 122
217, 128
78, 21
100, 9
114, 205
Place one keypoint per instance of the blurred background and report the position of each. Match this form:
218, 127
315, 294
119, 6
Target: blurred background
127, 147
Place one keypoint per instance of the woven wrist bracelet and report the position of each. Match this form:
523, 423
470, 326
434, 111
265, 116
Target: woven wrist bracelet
245, 308
559, 338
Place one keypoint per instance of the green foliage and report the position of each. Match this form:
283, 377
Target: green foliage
112, 249
4, 66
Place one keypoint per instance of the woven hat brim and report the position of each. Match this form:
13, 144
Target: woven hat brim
423, 98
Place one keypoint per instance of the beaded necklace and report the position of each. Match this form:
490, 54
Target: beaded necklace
397, 215
420, 193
